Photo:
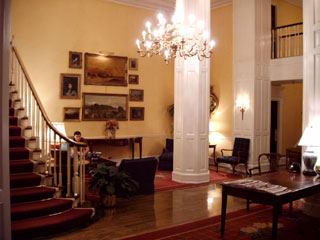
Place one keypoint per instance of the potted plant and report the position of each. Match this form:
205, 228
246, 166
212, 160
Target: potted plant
111, 183
111, 126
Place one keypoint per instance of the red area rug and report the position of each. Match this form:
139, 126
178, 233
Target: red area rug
163, 180
242, 225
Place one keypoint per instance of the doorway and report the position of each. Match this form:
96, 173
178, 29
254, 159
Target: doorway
274, 127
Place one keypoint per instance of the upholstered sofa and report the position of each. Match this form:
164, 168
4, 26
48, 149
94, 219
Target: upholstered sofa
143, 171
166, 158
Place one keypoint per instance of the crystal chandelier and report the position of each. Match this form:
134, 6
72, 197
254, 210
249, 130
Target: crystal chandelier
175, 39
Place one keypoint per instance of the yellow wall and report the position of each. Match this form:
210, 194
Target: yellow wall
45, 31
292, 115
287, 13
221, 72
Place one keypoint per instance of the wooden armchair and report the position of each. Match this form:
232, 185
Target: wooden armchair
240, 154
273, 160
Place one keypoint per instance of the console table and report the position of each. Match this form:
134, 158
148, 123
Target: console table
121, 141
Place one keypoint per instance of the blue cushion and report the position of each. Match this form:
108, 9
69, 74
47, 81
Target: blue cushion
227, 159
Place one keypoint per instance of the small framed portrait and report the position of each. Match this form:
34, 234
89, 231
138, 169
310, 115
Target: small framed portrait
75, 59
136, 113
70, 86
133, 64
133, 79
71, 114
136, 95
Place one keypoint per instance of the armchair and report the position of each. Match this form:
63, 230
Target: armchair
273, 160
240, 154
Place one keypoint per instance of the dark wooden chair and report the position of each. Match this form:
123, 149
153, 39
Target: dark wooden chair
240, 154
273, 161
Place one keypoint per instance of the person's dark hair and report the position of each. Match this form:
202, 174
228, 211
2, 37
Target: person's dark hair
77, 133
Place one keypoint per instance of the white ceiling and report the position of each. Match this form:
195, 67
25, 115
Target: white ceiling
169, 5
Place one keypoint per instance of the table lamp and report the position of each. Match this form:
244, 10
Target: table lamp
310, 139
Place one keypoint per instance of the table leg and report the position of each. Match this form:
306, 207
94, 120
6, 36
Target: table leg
276, 209
132, 147
140, 147
223, 211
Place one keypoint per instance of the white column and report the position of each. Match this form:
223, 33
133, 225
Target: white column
251, 57
311, 83
191, 94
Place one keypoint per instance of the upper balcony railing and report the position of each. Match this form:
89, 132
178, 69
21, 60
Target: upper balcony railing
287, 41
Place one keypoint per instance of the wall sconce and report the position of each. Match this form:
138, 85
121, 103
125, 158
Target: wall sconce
243, 104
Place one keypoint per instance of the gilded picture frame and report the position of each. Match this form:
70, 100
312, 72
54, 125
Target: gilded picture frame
105, 70
101, 107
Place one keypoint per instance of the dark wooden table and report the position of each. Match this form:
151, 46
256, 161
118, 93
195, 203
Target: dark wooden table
300, 185
121, 141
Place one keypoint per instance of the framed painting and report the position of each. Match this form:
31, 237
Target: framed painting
101, 107
136, 95
133, 79
105, 70
71, 114
136, 113
75, 59
133, 64
70, 86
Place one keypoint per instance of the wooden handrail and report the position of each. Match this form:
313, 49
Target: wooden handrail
43, 112
289, 25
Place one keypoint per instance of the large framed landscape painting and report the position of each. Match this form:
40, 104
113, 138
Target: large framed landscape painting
101, 107
105, 70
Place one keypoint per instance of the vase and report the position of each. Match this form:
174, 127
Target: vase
109, 200
111, 133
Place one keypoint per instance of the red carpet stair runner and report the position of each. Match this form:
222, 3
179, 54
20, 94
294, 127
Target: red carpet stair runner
35, 209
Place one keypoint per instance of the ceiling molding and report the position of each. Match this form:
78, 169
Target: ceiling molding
166, 6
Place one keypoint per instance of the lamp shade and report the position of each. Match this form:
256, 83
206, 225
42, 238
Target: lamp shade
310, 137
60, 127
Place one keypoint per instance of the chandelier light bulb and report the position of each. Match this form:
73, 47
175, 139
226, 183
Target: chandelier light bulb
148, 25
144, 35
138, 43
212, 44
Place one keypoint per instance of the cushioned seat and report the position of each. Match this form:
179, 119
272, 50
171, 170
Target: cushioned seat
240, 154
143, 171
166, 158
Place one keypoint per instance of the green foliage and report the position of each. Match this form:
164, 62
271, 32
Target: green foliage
107, 180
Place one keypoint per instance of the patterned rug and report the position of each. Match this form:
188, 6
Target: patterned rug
242, 225
163, 180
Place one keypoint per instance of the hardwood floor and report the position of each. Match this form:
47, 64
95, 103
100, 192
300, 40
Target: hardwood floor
145, 213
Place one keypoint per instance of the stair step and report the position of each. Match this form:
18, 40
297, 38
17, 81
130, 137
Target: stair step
31, 194
18, 153
24, 180
13, 121
21, 166
44, 226
21, 211
14, 131
16, 141
11, 111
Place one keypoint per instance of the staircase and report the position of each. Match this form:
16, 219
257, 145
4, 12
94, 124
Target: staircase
37, 209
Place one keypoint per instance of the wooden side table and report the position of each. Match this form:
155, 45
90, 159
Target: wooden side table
212, 161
